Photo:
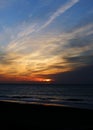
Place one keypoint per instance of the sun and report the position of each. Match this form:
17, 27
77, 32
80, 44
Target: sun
47, 80
40, 79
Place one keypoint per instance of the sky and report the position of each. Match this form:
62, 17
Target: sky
46, 41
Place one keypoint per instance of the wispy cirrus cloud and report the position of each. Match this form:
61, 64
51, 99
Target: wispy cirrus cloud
58, 12
59, 53
26, 29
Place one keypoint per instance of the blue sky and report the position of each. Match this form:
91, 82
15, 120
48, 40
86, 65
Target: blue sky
44, 38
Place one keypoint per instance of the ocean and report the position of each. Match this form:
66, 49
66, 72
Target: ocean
79, 96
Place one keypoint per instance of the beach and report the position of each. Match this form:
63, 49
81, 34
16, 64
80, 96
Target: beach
16, 115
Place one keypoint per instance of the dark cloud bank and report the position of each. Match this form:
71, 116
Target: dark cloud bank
83, 75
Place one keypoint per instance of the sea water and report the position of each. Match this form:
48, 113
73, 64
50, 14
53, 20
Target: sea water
80, 96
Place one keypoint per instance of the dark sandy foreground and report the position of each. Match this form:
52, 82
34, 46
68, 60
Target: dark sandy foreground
31, 116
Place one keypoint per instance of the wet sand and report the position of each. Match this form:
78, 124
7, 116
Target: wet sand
35, 116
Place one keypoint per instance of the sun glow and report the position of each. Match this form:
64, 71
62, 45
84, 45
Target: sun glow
47, 80
43, 80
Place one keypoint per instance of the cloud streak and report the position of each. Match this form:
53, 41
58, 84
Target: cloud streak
58, 12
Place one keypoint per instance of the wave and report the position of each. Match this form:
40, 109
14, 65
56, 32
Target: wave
71, 102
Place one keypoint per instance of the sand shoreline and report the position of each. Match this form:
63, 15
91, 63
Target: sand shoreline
31, 116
